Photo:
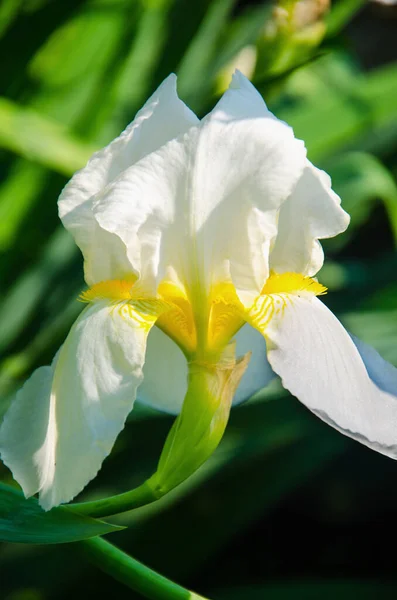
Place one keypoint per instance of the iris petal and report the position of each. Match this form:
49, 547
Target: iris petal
65, 420
320, 365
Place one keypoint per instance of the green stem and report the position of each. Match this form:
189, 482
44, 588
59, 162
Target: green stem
140, 496
132, 573
194, 436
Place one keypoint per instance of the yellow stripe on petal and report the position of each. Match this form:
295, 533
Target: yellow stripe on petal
127, 300
292, 283
226, 315
145, 312
277, 293
178, 322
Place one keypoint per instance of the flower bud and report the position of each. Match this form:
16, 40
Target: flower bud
200, 426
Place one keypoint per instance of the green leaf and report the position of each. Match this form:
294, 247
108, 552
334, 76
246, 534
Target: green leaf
198, 57
8, 12
269, 449
79, 58
17, 193
33, 285
39, 139
23, 521
347, 109
133, 80
361, 179
242, 31
341, 13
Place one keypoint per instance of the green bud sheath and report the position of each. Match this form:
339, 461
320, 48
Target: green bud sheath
200, 426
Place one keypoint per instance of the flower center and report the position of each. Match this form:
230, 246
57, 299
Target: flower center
202, 330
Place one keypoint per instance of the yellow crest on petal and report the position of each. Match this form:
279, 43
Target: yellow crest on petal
112, 289
292, 283
278, 291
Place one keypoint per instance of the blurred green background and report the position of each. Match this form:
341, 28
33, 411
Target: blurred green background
287, 507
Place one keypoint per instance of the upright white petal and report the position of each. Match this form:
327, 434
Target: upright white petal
320, 365
162, 118
65, 419
165, 372
312, 212
205, 205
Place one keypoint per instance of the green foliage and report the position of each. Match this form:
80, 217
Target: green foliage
24, 521
362, 180
40, 140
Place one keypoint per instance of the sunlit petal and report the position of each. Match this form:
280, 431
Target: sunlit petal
66, 418
320, 365
312, 212
162, 118
205, 205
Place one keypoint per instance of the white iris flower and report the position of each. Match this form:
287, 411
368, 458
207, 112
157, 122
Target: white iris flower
194, 233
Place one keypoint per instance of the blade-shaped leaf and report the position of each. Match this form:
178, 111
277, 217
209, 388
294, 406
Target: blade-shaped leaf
360, 179
23, 521
199, 55
331, 97
341, 13
33, 136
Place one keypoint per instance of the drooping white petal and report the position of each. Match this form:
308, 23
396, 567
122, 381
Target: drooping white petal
66, 418
165, 372
25, 426
205, 205
162, 118
320, 365
312, 212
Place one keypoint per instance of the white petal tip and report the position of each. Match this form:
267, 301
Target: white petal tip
169, 81
239, 81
